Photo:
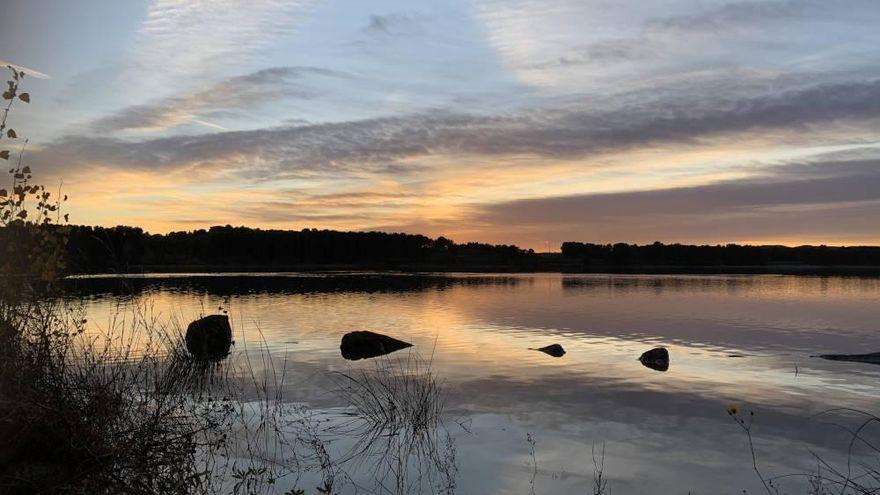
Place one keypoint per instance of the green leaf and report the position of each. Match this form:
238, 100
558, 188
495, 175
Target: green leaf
3, 193
4, 154
26, 170
11, 134
25, 97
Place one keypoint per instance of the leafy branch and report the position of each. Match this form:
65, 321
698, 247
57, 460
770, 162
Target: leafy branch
27, 209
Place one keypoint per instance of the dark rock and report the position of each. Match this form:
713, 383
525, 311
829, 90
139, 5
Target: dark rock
872, 358
554, 350
656, 359
209, 338
364, 344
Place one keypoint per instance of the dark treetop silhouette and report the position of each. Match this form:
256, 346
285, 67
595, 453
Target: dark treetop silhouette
130, 249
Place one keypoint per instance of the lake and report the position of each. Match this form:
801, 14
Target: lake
733, 340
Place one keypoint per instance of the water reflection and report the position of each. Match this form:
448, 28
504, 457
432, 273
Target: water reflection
664, 432
223, 285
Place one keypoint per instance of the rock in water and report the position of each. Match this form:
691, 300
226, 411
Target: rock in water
209, 338
364, 344
656, 359
872, 358
554, 350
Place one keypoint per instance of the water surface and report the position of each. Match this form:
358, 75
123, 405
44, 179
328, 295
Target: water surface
744, 340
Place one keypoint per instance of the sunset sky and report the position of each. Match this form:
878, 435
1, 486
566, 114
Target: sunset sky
514, 121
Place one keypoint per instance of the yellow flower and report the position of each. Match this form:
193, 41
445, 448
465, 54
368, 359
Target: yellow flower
733, 409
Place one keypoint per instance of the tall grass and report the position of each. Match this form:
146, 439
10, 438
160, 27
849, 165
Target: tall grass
87, 417
128, 411
395, 414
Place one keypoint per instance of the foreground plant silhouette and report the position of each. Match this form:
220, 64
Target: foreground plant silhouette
76, 416
128, 412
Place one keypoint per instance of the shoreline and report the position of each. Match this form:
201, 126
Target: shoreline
232, 270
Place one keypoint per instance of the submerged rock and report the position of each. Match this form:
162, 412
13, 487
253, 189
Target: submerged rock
872, 358
656, 359
364, 344
209, 338
554, 350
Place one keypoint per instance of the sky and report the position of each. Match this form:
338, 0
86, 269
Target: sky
505, 121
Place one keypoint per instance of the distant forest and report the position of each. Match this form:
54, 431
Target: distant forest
130, 249
658, 254
117, 249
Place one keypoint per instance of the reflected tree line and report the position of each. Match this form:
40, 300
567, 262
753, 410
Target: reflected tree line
237, 285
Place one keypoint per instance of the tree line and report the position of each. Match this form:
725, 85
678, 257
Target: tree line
659, 254
120, 249
89, 249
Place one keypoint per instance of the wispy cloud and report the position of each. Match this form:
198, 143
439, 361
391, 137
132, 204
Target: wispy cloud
240, 92
181, 41
546, 42
392, 24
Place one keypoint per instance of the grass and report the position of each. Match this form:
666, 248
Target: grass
127, 411
87, 417
599, 483
395, 414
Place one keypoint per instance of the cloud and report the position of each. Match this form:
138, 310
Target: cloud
545, 43
658, 32
811, 201
823, 184
566, 132
182, 42
239, 92
391, 23
746, 13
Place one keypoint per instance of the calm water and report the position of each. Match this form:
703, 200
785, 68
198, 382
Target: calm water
733, 339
